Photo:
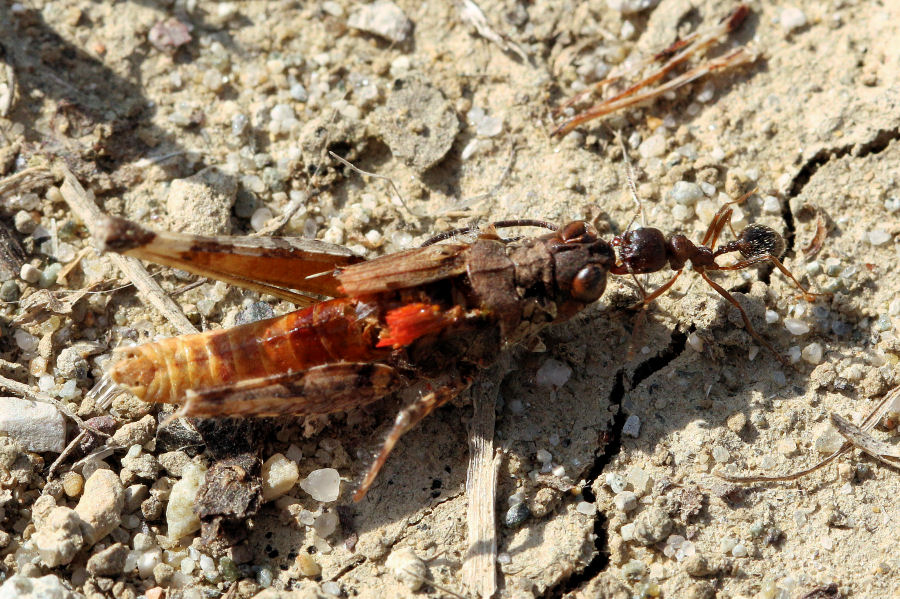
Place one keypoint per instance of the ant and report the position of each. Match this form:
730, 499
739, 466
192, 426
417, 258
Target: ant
646, 250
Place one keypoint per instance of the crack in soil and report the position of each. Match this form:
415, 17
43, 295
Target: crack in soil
876, 145
612, 446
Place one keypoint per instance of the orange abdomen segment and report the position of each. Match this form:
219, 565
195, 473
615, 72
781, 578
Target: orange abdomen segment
330, 331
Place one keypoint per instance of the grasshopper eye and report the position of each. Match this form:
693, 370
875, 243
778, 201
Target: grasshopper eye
589, 284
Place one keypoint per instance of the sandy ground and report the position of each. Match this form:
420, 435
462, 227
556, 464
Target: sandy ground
813, 123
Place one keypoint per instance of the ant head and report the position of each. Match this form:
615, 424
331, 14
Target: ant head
642, 250
760, 240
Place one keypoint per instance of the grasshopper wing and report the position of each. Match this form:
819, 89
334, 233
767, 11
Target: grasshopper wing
404, 269
268, 265
319, 390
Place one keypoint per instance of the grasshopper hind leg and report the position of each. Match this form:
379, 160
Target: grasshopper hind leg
408, 418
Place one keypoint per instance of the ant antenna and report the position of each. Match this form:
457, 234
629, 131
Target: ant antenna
500, 224
629, 178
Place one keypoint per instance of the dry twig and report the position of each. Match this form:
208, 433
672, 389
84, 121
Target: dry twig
479, 572
88, 212
856, 437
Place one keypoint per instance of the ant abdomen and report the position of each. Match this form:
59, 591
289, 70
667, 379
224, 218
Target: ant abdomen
760, 240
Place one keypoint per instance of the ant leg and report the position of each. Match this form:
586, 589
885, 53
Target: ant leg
806, 293
716, 225
723, 217
406, 420
721, 291
657, 292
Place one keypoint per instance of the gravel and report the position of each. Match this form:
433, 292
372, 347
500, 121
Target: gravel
109, 561
279, 475
652, 526
45, 587
59, 536
135, 433
101, 505
36, 426
323, 484
180, 515
382, 18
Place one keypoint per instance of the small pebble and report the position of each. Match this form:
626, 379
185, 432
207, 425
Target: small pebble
308, 566
407, 567
652, 526
382, 18
323, 484
628, 7
180, 515
516, 515
695, 342
829, 441
632, 426
135, 433
685, 193
791, 19
59, 537
331, 588
9, 291
653, 147
736, 422
586, 508
879, 237
625, 501
260, 218
73, 484
553, 373
109, 562
373, 237
720, 454
24, 223
101, 505
796, 326
616, 482
697, 566
29, 274
640, 481
36, 426
470, 149
786, 446
325, 524
279, 475
771, 205
706, 94
298, 92
812, 353
739, 550
254, 312
728, 544
25, 340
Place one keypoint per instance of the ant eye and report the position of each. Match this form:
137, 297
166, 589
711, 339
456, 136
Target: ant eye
574, 231
760, 240
589, 284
